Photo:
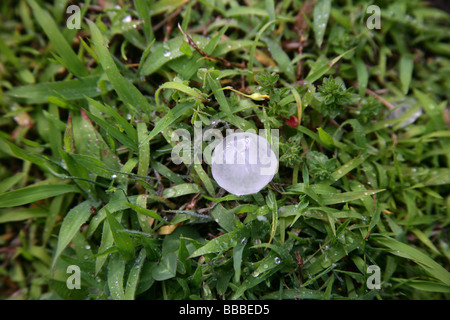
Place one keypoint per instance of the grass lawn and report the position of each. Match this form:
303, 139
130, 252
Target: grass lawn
94, 204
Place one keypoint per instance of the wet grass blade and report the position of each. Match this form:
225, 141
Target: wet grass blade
127, 92
195, 93
116, 272
144, 149
324, 68
34, 193
70, 226
168, 119
347, 196
146, 212
123, 241
69, 89
403, 250
406, 68
321, 15
133, 276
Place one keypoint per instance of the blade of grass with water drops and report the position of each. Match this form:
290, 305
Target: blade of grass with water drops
133, 276
404, 250
321, 14
318, 72
127, 92
168, 119
34, 193
116, 272
70, 226
122, 240
348, 196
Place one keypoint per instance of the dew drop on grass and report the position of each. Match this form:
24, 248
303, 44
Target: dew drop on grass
243, 163
261, 218
127, 19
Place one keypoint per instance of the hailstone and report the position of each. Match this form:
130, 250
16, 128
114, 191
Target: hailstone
403, 109
243, 163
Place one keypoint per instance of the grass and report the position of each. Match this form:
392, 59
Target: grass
87, 179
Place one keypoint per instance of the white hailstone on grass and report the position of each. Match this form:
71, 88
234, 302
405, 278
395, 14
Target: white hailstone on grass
243, 163
407, 107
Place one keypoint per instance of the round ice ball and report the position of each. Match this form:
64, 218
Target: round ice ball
243, 163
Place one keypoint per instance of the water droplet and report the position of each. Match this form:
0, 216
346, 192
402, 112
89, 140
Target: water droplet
261, 218
113, 176
277, 260
88, 247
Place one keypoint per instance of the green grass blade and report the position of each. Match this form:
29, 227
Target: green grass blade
406, 68
321, 15
180, 87
347, 196
127, 92
133, 276
116, 272
34, 193
168, 119
403, 250
324, 68
69, 89
70, 226
123, 241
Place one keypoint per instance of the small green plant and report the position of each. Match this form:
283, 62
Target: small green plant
334, 96
320, 166
268, 83
291, 152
